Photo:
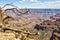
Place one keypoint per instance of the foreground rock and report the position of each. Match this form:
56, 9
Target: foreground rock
7, 36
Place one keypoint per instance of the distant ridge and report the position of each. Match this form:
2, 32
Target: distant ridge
44, 12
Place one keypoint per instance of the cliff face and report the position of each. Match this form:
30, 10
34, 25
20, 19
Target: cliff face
21, 25
11, 28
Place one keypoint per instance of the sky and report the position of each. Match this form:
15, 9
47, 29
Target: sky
39, 4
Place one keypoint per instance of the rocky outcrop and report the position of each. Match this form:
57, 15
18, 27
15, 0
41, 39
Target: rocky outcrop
55, 35
55, 17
